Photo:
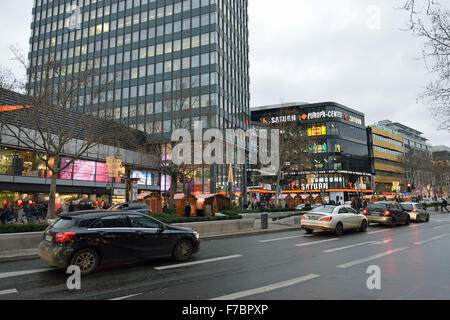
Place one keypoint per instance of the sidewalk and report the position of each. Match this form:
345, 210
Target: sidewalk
16, 255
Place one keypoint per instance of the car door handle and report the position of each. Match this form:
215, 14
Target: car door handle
140, 233
107, 235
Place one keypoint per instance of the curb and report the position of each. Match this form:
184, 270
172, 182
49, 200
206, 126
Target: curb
210, 237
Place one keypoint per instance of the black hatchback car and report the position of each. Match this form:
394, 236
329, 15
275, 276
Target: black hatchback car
88, 239
387, 213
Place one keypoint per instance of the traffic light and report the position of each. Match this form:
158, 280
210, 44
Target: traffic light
409, 187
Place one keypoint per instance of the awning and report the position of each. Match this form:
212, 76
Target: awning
206, 196
178, 196
144, 195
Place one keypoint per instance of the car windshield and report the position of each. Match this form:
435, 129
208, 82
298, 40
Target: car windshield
376, 206
407, 207
324, 209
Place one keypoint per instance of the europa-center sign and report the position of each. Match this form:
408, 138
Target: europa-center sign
319, 115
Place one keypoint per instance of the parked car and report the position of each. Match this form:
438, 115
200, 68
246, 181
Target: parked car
88, 239
333, 218
417, 212
386, 212
135, 206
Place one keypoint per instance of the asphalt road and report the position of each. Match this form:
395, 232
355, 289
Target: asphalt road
414, 262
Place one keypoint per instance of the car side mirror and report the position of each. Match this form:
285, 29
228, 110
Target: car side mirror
161, 229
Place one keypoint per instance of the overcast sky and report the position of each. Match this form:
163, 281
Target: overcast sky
314, 51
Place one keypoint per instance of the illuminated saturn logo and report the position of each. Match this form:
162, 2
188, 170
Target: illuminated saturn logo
304, 116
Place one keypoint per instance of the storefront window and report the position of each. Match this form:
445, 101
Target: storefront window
6, 161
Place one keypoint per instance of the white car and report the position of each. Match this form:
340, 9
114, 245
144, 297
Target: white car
334, 218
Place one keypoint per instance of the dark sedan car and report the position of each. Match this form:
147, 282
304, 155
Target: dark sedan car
90, 238
387, 213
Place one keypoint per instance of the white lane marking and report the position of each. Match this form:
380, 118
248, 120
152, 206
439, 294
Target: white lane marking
444, 226
8, 291
268, 288
286, 238
383, 242
126, 297
315, 242
432, 239
373, 232
173, 266
350, 246
376, 256
21, 273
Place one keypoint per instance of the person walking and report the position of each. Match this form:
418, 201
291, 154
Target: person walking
187, 210
444, 205
20, 214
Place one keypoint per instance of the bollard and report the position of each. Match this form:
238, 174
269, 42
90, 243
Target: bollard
264, 220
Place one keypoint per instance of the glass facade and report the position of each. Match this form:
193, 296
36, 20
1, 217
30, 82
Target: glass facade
147, 53
336, 140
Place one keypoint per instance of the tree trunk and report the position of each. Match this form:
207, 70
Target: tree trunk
173, 189
277, 195
51, 214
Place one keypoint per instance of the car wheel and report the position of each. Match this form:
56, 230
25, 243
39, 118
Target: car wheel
182, 251
418, 219
309, 231
363, 226
339, 230
86, 259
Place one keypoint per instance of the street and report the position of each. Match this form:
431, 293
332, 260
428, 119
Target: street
414, 261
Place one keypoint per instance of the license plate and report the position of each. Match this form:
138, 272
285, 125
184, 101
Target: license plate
49, 238
314, 218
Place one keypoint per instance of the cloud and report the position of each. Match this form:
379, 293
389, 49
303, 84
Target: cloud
312, 51
326, 50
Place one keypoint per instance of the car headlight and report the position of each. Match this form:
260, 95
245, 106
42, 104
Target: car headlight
196, 235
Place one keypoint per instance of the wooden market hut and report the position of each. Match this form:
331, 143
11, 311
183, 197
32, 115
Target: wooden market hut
317, 199
153, 200
284, 198
181, 202
298, 199
210, 204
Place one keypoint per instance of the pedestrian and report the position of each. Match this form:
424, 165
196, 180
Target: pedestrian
71, 206
365, 204
20, 214
187, 210
4, 215
444, 205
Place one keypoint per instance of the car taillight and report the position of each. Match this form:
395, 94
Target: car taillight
151, 211
326, 219
304, 218
414, 210
387, 213
366, 212
64, 236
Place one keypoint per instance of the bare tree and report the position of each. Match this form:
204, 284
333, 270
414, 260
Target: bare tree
430, 21
51, 123
178, 103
